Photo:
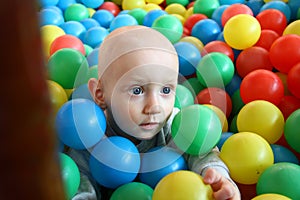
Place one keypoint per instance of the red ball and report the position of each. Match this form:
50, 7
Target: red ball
193, 19
288, 104
218, 46
261, 84
284, 52
217, 97
293, 80
67, 41
251, 59
266, 39
111, 7
272, 19
233, 10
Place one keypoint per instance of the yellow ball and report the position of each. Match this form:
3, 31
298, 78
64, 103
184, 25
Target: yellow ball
262, 118
182, 184
246, 155
151, 6
57, 94
48, 34
157, 2
242, 31
176, 8
193, 40
267, 1
221, 116
69, 92
180, 18
189, 12
292, 28
271, 197
91, 11
131, 4
118, 2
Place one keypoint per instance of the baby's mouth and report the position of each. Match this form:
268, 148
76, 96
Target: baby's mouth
149, 125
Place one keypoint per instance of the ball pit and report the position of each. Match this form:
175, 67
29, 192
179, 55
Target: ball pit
273, 26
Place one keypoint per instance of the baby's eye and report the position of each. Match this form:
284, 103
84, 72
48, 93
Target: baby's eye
166, 90
137, 91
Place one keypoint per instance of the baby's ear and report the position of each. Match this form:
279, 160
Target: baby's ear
95, 88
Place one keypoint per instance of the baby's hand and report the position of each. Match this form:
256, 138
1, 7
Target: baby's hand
222, 187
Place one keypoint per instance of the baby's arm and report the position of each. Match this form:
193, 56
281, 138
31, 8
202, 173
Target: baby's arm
216, 174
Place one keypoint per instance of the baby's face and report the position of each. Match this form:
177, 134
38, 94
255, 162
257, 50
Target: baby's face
139, 91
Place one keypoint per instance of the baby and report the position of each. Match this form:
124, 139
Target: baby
138, 73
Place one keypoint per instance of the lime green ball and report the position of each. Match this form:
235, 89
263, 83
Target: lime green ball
182, 2
183, 97
138, 14
68, 67
170, 26
196, 129
70, 175
206, 7
76, 12
132, 190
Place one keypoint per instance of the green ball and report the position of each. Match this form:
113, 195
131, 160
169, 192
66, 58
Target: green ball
237, 102
170, 26
233, 125
196, 129
68, 67
138, 14
70, 175
76, 12
183, 97
193, 85
206, 7
93, 72
88, 49
280, 178
292, 130
133, 190
182, 2
215, 70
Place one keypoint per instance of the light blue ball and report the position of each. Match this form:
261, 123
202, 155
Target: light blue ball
82, 92
230, 2
80, 123
151, 16
217, 14
92, 58
74, 28
92, 3
89, 23
94, 36
63, 4
255, 5
114, 161
50, 17
103, 17
44, 3
122, 20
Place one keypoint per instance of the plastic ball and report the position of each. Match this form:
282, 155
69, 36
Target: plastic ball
283, 78
151, 16
193, 19
76, 12
44, 3
281, 178
48, 35
255, 6
193, 40
131, 4
57, 94
196, 129
93, 72
81, 92
103, 17
217, 14
291, 130
206, 7
189, 56
221, 115
242, 31
247, 156
293, 80
70, 175
184, 97
193, 85
284, 52
111, 7
206, 30
251, 59
138, 14
230, 2
262, 118
89, 23
288, 105
271, 196
80, 123
68, 67
217, 97
122, 20
181, 2
235, 9
94, 36
135, 189
67, 41
278, 5
272, 19
218, 46
92, 58
283, 154
266, 39
262, 84
295, 11
182, 184
92, 3
237, 102
65, 3
233, 85
224, 137
114, 161
159, 162
74, 28
292, 28
50, 17
151, 6
170, 26
215, 70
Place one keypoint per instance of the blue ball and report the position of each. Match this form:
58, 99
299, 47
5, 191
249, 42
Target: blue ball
63, 4
294, 6
49, 16
224, 137
114, 161
234, 84
103, 17
189, 57
92, 3
89, 23
255, 5
217, 14
283, 154
122, 20
74, 28
55, 8
278, 5
230, 2
159, 162
92, 58
44, 3
151, 16
82, 92
206, 30
94, 36
80, 123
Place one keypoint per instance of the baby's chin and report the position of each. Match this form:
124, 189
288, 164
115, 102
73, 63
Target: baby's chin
144, 135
